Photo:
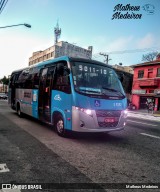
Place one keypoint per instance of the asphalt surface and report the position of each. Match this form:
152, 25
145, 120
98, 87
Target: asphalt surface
30, 161
34, 153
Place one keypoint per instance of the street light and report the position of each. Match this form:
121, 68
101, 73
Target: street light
25, 24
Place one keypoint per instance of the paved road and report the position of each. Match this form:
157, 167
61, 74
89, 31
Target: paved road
34, 153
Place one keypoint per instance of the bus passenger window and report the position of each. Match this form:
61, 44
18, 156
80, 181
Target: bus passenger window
35, 81
62, 81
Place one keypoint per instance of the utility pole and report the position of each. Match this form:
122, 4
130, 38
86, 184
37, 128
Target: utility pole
106, 57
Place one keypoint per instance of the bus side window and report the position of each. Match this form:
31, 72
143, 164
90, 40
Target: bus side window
50, 78
13, 79
62, 80
23, 81
35, 80
11, 82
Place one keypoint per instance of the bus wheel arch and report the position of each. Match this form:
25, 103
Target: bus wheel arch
18, 109
58, 122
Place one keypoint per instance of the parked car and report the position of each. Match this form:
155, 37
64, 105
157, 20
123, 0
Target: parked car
3, 96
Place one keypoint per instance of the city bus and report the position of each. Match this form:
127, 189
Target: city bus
70, 94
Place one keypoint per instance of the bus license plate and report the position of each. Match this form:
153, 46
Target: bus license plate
109, 120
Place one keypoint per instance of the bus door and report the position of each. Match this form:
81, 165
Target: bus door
12, 93
61, 94
12, 87
45, 87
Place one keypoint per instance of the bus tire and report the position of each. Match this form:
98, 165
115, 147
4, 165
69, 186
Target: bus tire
19, 111
59, 126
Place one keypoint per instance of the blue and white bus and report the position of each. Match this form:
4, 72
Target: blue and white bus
72, 94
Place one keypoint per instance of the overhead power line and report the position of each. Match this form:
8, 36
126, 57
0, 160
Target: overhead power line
106, 54
131, 51
126, 51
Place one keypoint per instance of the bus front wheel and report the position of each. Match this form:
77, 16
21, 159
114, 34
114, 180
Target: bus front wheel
59, 125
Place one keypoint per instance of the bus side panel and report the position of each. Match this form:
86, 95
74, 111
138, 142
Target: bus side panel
35, 104
62, 102
24, 98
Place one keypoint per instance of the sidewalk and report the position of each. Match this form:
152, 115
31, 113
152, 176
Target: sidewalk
143, 113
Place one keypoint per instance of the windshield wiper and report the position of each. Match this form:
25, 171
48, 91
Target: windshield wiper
91, 91
113, 90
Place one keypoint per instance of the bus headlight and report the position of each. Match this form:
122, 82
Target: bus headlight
125, 113
87, 111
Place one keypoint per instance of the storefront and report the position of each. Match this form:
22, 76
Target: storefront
140, 98
146, 84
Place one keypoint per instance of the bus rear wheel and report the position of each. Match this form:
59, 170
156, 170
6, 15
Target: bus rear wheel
59, 126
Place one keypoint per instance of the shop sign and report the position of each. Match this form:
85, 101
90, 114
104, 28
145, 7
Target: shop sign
157, 91
138, 91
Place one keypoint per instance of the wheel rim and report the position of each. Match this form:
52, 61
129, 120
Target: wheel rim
60, 126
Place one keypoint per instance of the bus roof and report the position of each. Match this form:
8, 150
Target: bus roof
65, 58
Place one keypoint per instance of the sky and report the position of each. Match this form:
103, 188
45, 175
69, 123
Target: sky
83, 23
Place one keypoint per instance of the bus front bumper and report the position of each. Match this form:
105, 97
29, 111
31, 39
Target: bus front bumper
83, 122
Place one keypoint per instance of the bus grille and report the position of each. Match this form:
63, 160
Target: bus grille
102, 114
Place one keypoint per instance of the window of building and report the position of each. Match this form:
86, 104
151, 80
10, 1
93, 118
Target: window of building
140, 73
150, 70
44, 57
158, 72
150, 73
151, 91
51, 54
41, 58
48, 56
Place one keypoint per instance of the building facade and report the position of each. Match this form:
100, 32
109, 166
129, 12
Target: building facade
146, 84
3, 88
127, 69
60, 49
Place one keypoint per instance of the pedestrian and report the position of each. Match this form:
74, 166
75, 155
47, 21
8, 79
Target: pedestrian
151, 107
147, 106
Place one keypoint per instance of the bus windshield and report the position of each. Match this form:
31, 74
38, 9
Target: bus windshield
96, 80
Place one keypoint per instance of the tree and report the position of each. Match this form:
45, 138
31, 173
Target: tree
5, 80
149, 56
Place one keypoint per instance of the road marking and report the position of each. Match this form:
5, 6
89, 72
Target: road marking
142, 123
3, 168
148, 135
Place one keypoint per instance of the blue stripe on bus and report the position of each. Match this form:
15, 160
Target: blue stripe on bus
62, 102
35, 103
